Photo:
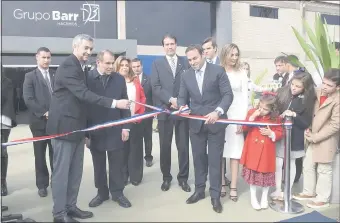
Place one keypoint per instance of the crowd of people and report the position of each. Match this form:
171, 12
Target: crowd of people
211, 85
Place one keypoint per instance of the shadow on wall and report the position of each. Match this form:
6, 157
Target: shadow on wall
147, 61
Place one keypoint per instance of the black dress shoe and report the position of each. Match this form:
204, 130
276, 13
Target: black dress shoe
42, 192
165, 185
97, 200
217, 206
195, 197
185, 186
135, 183
66, 218
4, 191
77, 213
148, 163
122, 201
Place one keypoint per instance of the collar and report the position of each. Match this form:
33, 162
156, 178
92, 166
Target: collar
202, 68
214, 60
100, 72
169, 58
43, 70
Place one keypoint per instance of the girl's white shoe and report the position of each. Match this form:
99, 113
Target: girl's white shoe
255, 204
264, 204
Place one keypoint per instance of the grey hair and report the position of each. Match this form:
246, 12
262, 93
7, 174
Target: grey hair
101, 54
80, 37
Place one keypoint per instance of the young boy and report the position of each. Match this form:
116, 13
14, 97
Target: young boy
323, 139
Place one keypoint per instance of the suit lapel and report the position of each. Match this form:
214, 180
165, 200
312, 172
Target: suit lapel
144, 79
205, 78
217, 61
42, 79
179, 65
167, 65
194, 82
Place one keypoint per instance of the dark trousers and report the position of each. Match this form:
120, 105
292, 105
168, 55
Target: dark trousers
133, 155
147, 136
116, 178
166, 128
205, 161
298, 164
42, 176
4, 155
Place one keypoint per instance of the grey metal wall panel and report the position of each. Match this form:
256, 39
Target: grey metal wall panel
18, 44
59, 18
149, 21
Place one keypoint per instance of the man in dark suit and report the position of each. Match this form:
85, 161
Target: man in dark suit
208, 88
210, 51
110, 141
282, 74
67, 113
145, 81
7, 122
37, 91
165, 80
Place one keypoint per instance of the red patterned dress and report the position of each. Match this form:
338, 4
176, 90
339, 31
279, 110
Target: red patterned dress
258, 156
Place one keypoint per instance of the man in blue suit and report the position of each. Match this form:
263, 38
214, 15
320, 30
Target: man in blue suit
210, 51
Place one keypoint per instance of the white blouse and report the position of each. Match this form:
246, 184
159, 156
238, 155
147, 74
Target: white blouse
131, 91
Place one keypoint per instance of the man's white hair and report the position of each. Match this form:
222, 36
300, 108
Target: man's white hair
79, 38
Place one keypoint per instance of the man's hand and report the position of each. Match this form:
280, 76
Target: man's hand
266, 131
173, 102
239, 129
308, 135
125, 135
123, 104
46, 115
212, 117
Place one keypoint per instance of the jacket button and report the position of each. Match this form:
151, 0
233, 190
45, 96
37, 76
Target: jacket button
256, 140
262, 141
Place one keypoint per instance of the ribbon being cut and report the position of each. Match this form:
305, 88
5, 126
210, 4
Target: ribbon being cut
183, 112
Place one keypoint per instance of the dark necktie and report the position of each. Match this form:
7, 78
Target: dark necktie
104, 78
48, 81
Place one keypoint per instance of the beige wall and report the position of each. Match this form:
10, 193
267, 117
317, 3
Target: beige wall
262, 39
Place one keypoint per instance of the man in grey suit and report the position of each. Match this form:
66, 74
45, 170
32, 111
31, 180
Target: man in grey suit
210, 51
208, 88
37, 91
166, 75
67, 113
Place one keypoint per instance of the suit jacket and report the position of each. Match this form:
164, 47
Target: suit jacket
69, 100
325, 128
216, 90
7, 99
37, 97
146, 84
106, 139
164, 85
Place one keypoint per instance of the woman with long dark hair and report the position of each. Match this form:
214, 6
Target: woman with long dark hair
297, 100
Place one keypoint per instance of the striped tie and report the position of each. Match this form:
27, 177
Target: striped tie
173, 66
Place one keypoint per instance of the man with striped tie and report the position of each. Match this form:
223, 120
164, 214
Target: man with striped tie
166, 75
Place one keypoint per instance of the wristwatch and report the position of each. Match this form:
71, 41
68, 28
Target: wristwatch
219, 113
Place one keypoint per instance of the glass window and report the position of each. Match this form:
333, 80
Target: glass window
264, 12
331, 19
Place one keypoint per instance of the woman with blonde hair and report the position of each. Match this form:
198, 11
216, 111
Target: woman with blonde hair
133, 151
230, 60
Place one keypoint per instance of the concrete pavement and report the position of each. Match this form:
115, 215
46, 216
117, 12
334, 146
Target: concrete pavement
149, 203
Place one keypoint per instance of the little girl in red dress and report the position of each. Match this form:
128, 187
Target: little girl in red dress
258, 156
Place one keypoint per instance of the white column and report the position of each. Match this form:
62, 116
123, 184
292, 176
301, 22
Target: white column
121, 21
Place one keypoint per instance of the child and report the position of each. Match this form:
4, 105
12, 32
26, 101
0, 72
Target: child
297, 100
323, 138
258, 156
